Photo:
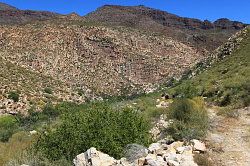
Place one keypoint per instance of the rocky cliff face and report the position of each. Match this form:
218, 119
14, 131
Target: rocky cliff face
131, 14
201, 34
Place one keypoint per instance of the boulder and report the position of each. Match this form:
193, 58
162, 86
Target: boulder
155, 148
135, 151
92, 157
33, 132
198, 145
187, 150
173, 163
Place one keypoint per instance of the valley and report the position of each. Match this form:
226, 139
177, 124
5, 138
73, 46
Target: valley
123, 85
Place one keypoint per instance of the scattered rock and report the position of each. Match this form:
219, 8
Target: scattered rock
198, 145
158, 154
33, 132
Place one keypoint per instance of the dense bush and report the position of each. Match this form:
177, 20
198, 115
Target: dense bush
190, 119
96, 126
14, 96
8, 125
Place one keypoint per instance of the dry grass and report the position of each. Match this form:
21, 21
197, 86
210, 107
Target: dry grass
18, 142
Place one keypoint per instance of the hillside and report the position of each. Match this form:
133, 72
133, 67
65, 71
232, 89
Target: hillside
201, 34
31, 89
109, 61
10, 15
4, 7
225, 79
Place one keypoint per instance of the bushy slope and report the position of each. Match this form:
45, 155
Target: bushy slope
31, 89
226, 82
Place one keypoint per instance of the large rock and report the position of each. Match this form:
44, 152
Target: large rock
155, 148
135, 151
92, 157
198, 145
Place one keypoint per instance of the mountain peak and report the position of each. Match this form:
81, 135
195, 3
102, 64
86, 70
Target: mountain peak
4, 7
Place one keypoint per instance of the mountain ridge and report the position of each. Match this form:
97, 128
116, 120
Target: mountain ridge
4, 7
194, 32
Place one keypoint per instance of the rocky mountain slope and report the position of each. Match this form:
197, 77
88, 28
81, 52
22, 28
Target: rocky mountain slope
91, 56
31, 89
5, 7
106, 60
12, 15
204, 34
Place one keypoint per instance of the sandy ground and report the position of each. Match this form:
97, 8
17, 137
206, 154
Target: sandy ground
229, 139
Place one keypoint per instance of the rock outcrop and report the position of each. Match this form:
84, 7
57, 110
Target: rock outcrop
201, 34
158, 154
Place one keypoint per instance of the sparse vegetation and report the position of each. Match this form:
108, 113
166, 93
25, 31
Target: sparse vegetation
228, 112
190, 119
225, 83
202, 160
16, 144
14, 95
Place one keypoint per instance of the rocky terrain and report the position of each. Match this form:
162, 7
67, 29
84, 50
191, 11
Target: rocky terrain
103, 55
106, 60
10, 15
31, 89
161, 153
48, 58
4, 7
201, 34
229, 138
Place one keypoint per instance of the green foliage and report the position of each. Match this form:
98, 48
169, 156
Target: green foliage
14, 95
225, 83
48, 90
190, 119
8, 125
36, 119
95, 126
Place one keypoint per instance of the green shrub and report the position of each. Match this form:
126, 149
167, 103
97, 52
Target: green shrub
190, 119
36, 118
187, 90
97, 126
50, 111
14, 96
48, 90
8, 126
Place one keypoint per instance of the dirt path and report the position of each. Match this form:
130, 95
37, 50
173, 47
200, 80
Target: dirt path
229, 139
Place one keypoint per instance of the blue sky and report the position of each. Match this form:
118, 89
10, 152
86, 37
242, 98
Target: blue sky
203, 9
